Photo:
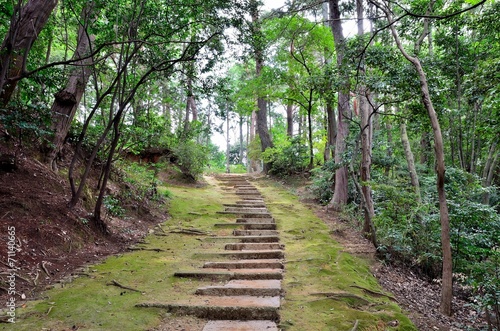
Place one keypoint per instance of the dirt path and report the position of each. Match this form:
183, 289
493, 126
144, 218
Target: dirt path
237, 254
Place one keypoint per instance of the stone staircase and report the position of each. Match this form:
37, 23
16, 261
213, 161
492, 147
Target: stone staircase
249, 264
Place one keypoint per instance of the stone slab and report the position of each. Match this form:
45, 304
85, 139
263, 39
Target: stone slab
240, 326
246, 264
252, 246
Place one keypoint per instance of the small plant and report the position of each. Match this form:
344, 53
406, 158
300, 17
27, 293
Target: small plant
113, 207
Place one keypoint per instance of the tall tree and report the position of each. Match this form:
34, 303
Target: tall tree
365, 112
25, 26
258, 49
447, 270
340, 193
68, 99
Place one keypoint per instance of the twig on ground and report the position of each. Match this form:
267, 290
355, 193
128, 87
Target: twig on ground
189, 231
355, 327
115, 283
44, 268
145, 249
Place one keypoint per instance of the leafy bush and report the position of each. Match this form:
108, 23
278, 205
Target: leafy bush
322, 181
113, 207
192, 157
290, 158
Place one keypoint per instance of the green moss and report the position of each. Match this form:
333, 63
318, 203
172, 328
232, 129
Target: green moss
317, 271
315, 265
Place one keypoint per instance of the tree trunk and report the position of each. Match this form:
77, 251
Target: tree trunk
289, 119
365, 111
25, 26
309, 128
262, 130
228, 145
447, 276
340, 194
489, 170
410, 161
68, 99
241, 140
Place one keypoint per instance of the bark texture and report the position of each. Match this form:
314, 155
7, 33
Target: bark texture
68, 99
25, 26
410, 162
340, 194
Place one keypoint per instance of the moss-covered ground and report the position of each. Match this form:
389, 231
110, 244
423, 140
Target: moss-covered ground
319, 280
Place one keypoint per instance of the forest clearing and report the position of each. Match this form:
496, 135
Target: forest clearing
333, 165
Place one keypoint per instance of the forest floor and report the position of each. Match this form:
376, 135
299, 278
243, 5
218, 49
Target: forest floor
56, 246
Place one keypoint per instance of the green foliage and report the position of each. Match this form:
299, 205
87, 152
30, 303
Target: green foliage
192, 157
322, 181
113, 206
287, 159
26, 123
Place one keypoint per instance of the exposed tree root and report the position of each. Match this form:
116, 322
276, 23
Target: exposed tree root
339, 296
379, 294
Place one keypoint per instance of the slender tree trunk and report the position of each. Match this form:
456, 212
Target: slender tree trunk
489, 170
310, 133
289, 119
447, 276
331, 126
228, 145
25, 26
365, 111
331, 130
241, 139
340, 194
473, 153
97, 219
410, 161
68, 99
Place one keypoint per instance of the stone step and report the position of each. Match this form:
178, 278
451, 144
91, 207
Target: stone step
255, 220
225, 308
231, 274
252, 246
245, 255
267, 287
255, 233
249, 226
246, 264
244, 239
250, 213
251, 210
240, 326
250, 201
242, 205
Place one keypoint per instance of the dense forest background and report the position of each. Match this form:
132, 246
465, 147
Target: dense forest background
389, 109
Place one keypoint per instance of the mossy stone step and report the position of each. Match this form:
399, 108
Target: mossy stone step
250, 201
246, 255
259, 213
242, 205
240, 210
231, 274
267, 287
225, 308
256, 220
255, 233
249, 226
240, 326
246, 264
244, 239
252, 246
